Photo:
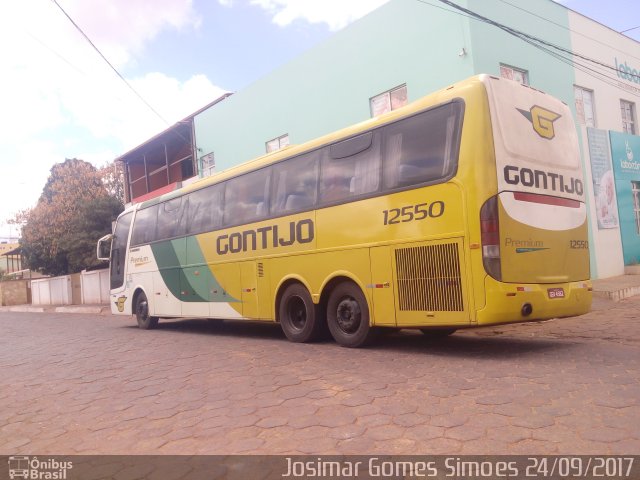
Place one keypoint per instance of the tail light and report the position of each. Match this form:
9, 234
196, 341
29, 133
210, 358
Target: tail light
490, 234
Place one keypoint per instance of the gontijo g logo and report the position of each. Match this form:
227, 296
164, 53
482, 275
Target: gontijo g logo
542, 120
120, 303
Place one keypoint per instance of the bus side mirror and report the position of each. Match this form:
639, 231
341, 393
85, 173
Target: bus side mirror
103, 250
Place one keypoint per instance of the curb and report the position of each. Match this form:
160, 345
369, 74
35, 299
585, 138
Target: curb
617, 295
81, 309
22, 309
86, 309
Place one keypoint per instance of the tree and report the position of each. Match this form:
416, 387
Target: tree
112, 175
75, 209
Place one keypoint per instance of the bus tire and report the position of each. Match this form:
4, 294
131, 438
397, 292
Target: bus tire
433, 333
298, 315
145, 321
348, 316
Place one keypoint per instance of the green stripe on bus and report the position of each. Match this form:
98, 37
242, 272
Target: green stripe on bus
193, 283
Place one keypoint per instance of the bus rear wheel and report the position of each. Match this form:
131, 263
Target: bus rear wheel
348, 316
145, 321
298, 315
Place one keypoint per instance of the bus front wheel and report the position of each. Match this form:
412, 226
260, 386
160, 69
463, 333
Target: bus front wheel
298, 315
145, 321
348, 316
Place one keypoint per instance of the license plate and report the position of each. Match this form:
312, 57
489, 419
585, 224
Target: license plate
555, 292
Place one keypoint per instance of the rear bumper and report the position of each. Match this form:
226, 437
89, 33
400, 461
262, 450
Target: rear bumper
505, 301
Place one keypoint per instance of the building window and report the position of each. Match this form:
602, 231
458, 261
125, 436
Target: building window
635, 191
389, 100
513, 73
628, 110
584, 106
208, 164
277, 143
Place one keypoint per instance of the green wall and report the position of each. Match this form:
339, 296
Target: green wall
492, 46
329, 87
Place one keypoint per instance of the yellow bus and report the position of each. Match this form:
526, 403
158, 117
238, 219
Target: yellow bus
463, 209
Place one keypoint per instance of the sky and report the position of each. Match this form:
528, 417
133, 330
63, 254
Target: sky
59, 99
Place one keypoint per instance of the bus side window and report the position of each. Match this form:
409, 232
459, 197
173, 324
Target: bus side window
246, 198
422, 148
170, 214
203, 212
144, 227
352, 168
295, 184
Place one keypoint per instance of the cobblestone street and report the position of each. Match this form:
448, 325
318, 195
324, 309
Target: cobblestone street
74, 383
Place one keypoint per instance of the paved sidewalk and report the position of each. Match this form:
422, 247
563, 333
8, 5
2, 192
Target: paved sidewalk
97, 309
88, 384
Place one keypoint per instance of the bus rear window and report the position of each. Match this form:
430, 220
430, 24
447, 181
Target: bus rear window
423, 148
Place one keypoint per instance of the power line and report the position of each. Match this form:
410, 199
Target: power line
109, 63
54, 52
569, 29
532, 41
540, 44
522, 35
76, 68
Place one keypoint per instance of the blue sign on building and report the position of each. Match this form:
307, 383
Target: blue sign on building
625, 153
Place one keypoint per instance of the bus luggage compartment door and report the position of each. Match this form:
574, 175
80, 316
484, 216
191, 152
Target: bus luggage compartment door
255, 299
430, 286
381, 287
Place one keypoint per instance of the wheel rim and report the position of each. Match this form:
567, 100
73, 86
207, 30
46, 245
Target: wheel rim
297, 312
348, 315
142, 310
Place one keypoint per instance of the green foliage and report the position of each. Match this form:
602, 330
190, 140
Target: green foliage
93, 220
75, 209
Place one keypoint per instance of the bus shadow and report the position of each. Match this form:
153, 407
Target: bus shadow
228, 328
462, 344
469, 345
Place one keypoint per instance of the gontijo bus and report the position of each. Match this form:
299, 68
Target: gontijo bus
462, 209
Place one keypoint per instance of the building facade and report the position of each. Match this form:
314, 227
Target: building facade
607, 124
162, 163
10, 258
407, 48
